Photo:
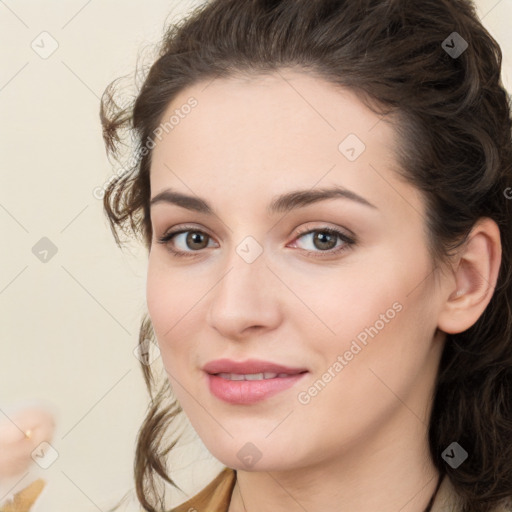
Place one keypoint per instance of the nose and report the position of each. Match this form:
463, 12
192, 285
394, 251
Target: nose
245, 299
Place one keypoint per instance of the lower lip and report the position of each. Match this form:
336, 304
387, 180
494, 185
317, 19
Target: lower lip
249, 391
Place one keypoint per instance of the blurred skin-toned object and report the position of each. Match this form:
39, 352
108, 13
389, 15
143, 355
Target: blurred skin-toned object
21, 432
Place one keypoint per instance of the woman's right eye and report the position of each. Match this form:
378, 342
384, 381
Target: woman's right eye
191, 238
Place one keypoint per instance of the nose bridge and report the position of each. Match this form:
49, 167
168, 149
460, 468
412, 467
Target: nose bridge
243, 284
242, 297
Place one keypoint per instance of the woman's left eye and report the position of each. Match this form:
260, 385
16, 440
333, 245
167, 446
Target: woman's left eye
325, 241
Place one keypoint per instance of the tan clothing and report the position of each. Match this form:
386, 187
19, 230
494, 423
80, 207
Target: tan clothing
216, 496
23, 500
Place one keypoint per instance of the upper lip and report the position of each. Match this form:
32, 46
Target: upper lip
248, 366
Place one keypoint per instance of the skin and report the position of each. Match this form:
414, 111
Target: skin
361, 443
20, 434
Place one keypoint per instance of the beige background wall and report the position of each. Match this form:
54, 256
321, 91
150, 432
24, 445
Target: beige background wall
69, 325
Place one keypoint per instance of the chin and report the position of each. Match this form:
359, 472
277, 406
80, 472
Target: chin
249, 456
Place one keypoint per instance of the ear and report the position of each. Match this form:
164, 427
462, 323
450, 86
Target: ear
475, 274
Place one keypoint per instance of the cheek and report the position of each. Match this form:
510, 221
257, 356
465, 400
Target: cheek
380, 310
163, 298
157, 297
173, 305
167, 293
337, 305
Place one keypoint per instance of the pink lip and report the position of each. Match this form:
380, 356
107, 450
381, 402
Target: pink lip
249, 391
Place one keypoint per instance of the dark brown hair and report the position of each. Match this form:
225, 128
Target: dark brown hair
452, 118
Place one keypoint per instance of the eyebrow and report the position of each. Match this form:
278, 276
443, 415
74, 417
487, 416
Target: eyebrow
279, 204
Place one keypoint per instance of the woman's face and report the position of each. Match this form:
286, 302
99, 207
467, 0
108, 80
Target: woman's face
259, 277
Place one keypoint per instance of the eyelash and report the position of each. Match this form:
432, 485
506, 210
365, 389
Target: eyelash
348, 242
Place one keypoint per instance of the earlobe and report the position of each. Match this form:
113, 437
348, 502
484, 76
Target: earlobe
475, 273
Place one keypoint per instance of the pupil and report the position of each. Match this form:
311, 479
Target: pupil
195, 237
321, 238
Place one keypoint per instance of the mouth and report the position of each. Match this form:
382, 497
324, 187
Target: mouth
252, 376
249, 367
249, 381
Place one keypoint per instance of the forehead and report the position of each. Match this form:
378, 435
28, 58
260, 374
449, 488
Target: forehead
285, 128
